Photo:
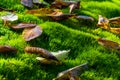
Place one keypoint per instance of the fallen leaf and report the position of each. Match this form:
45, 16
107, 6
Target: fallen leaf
61, 55
108, 44
6, 48
31, 33
74, 6
47, 61
23, 25
115, 30
62, 17
72, 73
27, 3
115, 20
41, 51
82, 17
9, 17
103, 22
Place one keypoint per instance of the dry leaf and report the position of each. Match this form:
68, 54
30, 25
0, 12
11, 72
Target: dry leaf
62, 17
115, 20
7, 48
47, 61
61, 55
103, 22
41, 12
41, 51
115, 30
74, 6
23, 25
9, 17
72, 73
27, 3
82, 17
31, 33
108, 44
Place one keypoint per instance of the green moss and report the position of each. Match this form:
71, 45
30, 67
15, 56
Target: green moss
78, 36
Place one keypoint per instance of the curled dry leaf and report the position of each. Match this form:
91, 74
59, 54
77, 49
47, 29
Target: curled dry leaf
103, 22
27, 3
6, 48
31, 33
115, 30
41, 51
24, 25
108, 44
72, 73
61, 55
82, 17
9, 17
47, 61
115, 20
62, 17
74, 6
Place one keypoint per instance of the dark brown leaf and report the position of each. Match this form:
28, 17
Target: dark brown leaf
31, 33
41, 51
72, 73
27, 3
108, 44
24, 25
62, 16
6, 48
115, 20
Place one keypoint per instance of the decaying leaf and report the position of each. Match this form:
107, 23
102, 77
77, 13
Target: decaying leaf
74, 6
23, 25
61, 55
9, 17
41, 12
82, 17
62, 17
115, 30
47, 61
108, 44
27, 3
31, 33
41, 51
72, 73
115, 20
103, 22
6, 48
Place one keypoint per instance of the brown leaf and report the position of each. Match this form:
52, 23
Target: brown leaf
82, 17
41, 12
72, 73
62, 16
115, 30
115, 20
103, 22
23, 25
47, 61
41, 51
108, 44
31, 33
6, 48
74, 6
27, 3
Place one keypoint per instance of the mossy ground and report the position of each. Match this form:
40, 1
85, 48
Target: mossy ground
79, 36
